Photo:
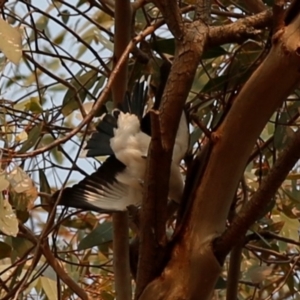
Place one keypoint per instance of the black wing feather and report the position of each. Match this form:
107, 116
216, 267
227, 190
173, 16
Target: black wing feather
99, 191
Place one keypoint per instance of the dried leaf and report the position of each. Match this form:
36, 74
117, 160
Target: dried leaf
4, 183
22, 136
10, 42
19, 180
8, 219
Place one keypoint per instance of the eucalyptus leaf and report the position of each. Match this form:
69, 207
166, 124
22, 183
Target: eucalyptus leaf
33, 137
44, 186
8, 221
81, 84
10, 42
101, 234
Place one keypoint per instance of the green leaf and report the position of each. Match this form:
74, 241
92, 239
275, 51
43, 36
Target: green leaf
107, 44
41, 25
194, 138
65, 14
283, 133
89, 221
164, 46
57, 155
215, 84
221, 284
214, 52
100, 235
81, 84
34, 105
98, 86
10, 42
33, 136
20, 246
80, 2
44, 186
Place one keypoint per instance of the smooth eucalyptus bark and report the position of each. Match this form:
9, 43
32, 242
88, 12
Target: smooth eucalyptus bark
186, 276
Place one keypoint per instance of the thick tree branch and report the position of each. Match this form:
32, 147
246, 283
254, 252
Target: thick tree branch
182, 74
203, 10
233, 276
240, 30
172, 16
185, 64
122, 38
278, 15
251, 109
121, 256
153, 215
120, 219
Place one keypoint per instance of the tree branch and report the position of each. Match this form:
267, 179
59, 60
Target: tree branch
153, 214
186, 60
121, 256
234, 272
179, 83
261, 198
172, 16
61, 272
203, 11
229, 155
122, 38
120, 219
240, 30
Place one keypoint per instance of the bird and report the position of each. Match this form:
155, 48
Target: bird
124, 136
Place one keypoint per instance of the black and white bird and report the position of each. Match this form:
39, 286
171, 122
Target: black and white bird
124, 136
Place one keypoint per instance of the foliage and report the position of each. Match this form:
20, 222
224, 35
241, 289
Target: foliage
45, 98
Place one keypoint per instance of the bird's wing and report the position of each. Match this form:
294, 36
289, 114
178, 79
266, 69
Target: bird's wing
135, 104
101, 191
98, 144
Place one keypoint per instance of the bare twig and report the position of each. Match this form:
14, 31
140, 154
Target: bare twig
61, 272
238, 31
283, 280
234, 272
